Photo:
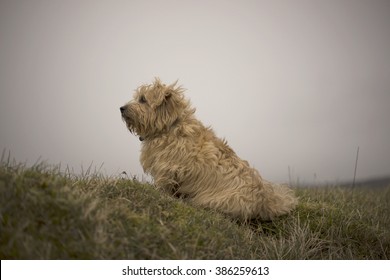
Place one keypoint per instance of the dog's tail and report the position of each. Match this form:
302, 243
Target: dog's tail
280, 200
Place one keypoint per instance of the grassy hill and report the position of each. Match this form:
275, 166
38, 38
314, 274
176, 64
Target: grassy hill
49, 214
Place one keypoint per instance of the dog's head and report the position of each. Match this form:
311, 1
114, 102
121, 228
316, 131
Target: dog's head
154, 109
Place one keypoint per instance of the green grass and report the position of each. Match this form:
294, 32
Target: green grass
49, 214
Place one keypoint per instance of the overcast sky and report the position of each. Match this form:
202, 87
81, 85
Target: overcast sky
297, 84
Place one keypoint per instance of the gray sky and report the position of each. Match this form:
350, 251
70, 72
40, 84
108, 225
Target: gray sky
287, 83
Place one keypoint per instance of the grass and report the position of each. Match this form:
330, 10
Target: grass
49, 214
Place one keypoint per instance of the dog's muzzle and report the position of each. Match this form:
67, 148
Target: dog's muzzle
124, 113
126, 119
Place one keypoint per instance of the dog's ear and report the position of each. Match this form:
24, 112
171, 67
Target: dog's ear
161, 92
172, 89
168, 93
165, 95
158, 93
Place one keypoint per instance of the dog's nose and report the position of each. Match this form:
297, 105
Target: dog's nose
123, 108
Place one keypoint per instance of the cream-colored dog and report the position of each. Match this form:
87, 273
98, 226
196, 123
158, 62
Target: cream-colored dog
186, 158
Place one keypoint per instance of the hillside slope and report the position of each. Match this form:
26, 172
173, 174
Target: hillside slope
48, 214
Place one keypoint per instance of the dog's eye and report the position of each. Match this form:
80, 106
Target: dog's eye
142, 99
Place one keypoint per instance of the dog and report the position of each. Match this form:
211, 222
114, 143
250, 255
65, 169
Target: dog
188, 160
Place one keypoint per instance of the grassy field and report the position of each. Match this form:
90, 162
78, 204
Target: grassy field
49, 214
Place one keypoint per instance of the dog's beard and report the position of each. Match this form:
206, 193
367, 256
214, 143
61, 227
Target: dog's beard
130, 126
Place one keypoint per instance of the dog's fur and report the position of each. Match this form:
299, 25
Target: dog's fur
186, 158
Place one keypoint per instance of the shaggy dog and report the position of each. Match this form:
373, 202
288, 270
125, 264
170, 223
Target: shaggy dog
188, 160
